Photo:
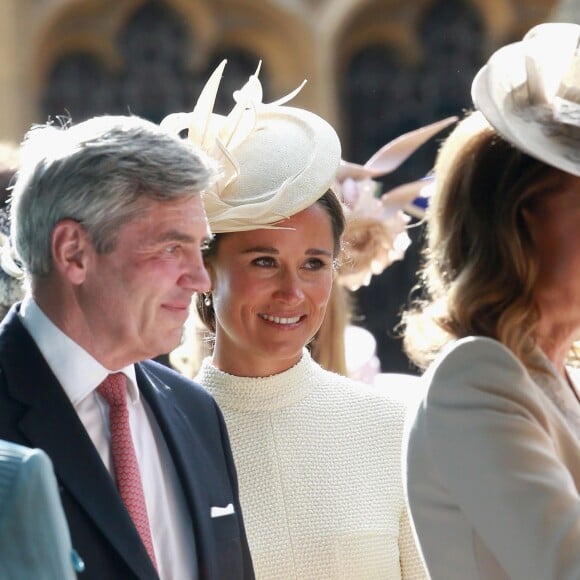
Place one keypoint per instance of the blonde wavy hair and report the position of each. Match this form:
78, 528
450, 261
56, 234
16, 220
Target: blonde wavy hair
328, 348
480, 266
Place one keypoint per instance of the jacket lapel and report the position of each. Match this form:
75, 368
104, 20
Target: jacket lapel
52, 424
191, 460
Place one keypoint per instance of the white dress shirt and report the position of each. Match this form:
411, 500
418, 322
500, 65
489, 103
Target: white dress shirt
80, 374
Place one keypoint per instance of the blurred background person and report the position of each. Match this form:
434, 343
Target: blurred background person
375, 237
34, 536
317, 454
493, 475
11, 277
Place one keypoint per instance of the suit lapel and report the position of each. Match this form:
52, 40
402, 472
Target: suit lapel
190, 459
52, 424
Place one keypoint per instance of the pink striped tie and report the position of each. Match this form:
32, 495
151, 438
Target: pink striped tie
127, 474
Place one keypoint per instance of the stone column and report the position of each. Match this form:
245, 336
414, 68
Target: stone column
10, 73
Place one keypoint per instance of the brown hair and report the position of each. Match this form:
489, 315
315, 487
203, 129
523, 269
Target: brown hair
480, 266
328, 348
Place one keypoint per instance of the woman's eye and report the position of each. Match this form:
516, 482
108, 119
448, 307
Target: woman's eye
315, 264
264, 262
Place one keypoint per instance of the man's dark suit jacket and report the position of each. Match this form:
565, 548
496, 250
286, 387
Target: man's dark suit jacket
35, 411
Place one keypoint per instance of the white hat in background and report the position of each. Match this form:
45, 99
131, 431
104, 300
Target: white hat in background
376, 223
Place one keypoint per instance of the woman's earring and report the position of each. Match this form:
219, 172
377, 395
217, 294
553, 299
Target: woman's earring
207, 299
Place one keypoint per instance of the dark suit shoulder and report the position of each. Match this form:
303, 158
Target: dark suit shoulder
176, 380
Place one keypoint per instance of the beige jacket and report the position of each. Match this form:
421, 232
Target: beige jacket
493, 468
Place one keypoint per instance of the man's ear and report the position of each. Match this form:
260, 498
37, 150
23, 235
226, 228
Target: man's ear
71, 247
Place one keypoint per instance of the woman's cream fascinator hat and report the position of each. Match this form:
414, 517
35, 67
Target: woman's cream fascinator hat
376, 223
274, 160
529, 91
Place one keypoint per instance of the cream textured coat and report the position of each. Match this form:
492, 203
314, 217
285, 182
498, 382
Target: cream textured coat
319, 468
493, 468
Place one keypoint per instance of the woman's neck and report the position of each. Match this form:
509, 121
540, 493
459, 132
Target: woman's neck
556, 342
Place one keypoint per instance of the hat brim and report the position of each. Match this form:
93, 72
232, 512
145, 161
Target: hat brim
498, 91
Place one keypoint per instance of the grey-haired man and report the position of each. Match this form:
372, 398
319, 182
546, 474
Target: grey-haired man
107, 221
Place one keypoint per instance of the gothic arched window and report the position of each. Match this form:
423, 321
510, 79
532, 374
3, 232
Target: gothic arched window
155, 48
383, 96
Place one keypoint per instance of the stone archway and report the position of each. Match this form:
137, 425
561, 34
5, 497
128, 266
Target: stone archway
144, 57
398, 76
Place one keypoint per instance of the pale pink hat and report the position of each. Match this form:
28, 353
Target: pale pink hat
376, 223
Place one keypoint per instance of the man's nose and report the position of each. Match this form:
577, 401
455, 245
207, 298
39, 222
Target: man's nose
197, 277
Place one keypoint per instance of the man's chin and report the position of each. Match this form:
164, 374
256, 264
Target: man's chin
165, 345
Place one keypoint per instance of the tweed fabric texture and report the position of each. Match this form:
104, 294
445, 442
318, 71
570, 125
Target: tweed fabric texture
127, 474
319, 466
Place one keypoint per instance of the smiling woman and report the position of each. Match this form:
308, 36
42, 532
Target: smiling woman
317, 454
270, 290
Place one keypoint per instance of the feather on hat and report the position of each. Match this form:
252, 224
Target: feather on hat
274, 160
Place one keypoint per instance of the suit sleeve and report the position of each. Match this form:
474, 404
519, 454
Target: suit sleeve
491, 443
248, 569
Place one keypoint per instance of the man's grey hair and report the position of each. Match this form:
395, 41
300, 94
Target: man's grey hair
101, 173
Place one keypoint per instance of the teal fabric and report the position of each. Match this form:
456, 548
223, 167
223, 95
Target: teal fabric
34, 537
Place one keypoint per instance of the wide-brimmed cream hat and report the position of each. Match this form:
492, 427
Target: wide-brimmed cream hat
274, 160
529, 91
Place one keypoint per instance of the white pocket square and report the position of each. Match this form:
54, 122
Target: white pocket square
220, 512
